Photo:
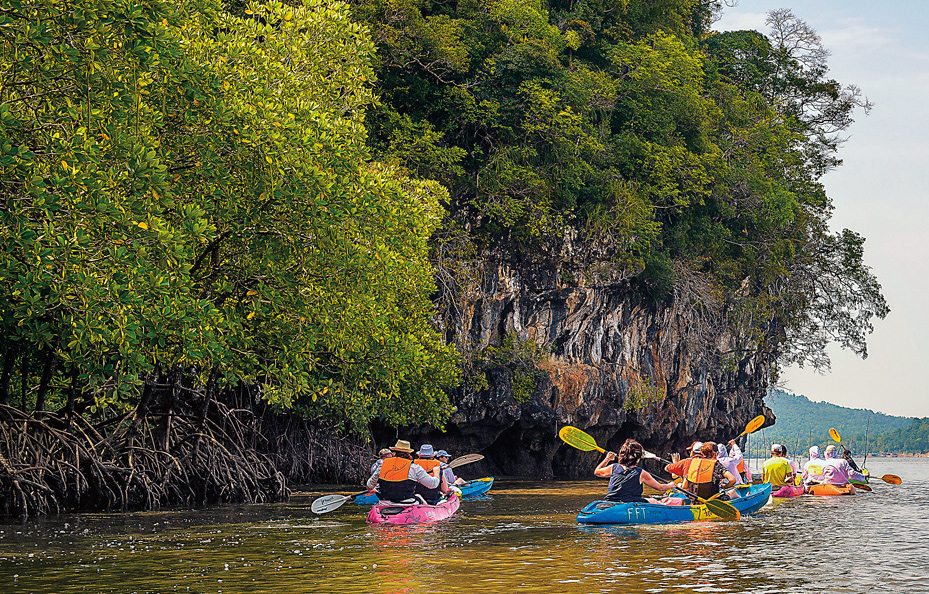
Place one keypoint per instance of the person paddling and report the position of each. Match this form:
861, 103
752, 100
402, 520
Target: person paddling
731, 459
397, 477
426, 459
776, 469
847, 454
814, 468
442, 456
627, 477
836, 471
703, 475
382, 455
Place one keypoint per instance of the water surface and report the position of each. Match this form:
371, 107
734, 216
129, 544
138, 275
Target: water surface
522, 538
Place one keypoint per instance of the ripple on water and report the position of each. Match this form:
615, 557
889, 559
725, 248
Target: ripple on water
521, 538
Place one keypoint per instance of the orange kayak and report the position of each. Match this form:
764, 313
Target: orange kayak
830, 490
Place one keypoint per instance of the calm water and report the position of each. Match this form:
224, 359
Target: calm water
523, 538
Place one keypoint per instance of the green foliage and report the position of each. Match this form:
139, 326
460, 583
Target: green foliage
641, 393
186, 189
671, 145
913, 439
523, 358
801, 421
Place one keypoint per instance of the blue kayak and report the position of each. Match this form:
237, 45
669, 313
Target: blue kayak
475, 488
608, 512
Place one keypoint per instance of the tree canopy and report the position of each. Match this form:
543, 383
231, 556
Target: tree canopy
695, 154
186, 192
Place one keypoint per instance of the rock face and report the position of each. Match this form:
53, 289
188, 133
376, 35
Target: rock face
617, 366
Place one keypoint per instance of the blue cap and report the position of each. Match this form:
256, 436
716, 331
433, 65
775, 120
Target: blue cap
441, 453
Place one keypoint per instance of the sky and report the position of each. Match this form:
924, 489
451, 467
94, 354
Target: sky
879, 191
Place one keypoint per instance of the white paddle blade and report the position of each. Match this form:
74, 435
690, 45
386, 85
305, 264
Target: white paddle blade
329, 503
466, 459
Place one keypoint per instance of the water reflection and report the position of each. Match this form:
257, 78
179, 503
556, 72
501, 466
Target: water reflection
521, 538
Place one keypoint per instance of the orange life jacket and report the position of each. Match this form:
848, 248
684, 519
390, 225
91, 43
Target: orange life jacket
741, 466
394, 482
426, 464
395, 469
699, 477
430, 495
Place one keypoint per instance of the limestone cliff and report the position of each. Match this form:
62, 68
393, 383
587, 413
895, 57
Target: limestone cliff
615, 364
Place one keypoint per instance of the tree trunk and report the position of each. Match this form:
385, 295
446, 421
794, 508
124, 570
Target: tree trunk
9, 359
48, 370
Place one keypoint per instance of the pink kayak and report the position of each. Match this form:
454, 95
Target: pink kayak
787, 491
393, 513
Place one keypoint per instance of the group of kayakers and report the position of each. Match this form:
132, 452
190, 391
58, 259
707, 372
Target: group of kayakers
712, 471
400, 478
709, 469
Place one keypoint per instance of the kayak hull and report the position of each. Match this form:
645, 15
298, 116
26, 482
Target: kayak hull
830, 490
787, 491
609, 512
475, 488
393, 514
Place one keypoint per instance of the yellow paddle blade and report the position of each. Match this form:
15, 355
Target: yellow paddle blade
723, 509
576, 438
835, 436
892, 479
753, 425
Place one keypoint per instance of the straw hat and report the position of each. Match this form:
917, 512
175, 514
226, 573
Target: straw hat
402, 446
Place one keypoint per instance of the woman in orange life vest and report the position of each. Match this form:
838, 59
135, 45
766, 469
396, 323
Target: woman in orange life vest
704, 474
398, 476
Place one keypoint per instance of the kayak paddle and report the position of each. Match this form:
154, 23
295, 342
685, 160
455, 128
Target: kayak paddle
752, 426
836, 437
891, 478
586, 443
652, 456
328, 503
862, 486
466, 459
576, 438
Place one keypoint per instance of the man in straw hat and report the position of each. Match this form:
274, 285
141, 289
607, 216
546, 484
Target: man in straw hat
398, 476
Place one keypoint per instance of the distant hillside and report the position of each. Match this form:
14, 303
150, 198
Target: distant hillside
801, 420
913, 439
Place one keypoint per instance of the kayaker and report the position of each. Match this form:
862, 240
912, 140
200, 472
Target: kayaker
776, 469
627, 477
382, 455
731, 459
692, 452
813, 469
704, 474
442, 456
426, 459
793, 465
836, 471
398, 477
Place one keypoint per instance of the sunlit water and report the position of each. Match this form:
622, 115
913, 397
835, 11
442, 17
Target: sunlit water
522, 538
